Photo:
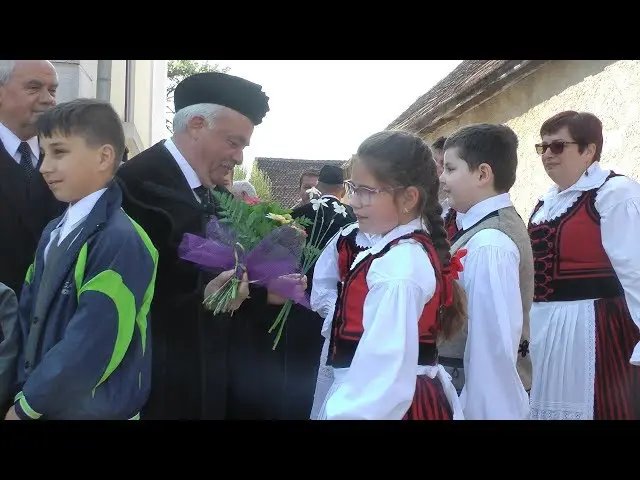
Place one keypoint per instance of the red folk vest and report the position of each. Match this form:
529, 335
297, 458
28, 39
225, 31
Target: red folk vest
570, 262
347, 325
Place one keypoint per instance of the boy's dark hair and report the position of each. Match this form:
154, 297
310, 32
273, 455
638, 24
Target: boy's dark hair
308, 173
439, 143
584, 128
94, 120
493, 144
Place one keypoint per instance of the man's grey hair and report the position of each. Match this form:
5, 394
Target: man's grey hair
6, 70
240, 186
209, 111
7, 67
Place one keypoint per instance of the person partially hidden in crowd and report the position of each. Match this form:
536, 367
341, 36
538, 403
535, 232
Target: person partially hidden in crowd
27, 89
328, 215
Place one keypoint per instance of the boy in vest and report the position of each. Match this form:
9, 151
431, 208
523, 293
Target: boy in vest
85, 352
489, 360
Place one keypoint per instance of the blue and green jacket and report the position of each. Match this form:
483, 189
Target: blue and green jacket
92, 355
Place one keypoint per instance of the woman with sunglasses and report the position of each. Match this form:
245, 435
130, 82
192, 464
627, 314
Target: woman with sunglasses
586, 311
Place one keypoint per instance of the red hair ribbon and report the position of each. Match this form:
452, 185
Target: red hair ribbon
449, 274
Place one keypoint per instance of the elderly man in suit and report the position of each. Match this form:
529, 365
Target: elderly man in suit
27, 88
204, 367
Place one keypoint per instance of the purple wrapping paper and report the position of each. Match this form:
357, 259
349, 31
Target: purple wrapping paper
276, 255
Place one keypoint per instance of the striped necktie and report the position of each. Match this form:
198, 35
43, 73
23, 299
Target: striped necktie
25, 158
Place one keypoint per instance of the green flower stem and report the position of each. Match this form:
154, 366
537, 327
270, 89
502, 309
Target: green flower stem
326, 231
315, 222
220, 300
309, 258
280, 320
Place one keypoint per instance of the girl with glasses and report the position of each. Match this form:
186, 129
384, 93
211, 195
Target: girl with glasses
388, 281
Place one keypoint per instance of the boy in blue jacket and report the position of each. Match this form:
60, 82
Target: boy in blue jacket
85, 349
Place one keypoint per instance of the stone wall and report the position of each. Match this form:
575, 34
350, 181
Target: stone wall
608, 89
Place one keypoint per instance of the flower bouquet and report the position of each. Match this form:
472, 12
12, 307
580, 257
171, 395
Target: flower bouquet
260, 239
324, 218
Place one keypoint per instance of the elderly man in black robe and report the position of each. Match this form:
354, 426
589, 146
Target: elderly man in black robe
204, 367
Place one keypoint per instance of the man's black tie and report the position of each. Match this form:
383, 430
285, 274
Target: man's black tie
205, 197
25, 158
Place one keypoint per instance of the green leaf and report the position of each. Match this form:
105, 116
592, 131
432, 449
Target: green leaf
304, 221
250, 222
252, 218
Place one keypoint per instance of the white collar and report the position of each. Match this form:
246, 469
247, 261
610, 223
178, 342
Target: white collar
363, 240
377, 242
187, 170
81, 209
595, 179
326, 195
11, 142
482, 209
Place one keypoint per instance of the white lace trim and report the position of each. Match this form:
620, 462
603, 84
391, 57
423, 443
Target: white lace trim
542, 414
378, 242
551, 210
362, 240
557, 203
590, 359
551, 410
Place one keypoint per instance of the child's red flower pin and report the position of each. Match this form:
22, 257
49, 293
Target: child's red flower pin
455, 265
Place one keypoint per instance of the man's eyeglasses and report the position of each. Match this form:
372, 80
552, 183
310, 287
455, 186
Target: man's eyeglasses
556, 147
365, 194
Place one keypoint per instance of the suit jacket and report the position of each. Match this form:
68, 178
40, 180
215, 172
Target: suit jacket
191, 348
26, 206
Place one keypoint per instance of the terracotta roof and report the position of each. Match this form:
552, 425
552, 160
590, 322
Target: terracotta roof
284, 174
469, 84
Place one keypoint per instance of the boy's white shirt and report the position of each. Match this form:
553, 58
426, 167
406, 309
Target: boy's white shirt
493, 389
73, 216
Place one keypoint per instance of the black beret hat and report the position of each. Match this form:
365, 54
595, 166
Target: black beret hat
236, 93
331, 175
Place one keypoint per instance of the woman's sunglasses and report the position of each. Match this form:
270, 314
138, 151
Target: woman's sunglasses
556, 147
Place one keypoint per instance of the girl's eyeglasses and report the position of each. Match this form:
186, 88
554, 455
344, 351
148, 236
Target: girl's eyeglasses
556, 147
365, 194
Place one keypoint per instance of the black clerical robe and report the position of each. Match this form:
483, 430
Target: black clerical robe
204, 367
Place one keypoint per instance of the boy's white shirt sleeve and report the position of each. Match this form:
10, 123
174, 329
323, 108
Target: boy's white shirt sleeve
493, 389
